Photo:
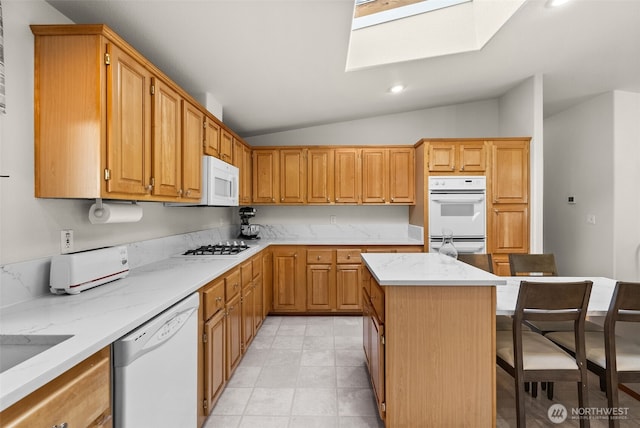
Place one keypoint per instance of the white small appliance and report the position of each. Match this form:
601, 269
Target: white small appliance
220, 184
76, 272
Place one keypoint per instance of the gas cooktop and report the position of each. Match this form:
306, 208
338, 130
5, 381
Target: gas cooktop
221, 249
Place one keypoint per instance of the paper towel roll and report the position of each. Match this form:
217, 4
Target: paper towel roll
115, 213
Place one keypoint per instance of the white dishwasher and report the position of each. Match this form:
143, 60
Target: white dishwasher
155, 370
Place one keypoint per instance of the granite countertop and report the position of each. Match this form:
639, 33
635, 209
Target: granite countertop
97, 317
426, 269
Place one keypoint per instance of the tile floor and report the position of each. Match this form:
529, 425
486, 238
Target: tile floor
310, 372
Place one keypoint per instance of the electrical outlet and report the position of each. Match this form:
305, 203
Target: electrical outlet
332, 219
591, 219
66, 241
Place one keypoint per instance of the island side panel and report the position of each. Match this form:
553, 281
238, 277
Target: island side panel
440, 356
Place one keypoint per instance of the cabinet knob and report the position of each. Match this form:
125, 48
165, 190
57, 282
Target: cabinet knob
392, 199
348, 256
328, 200
453, 167
62, 425
188, 192
281, 199
318, 257
273, 200
179, 191
337, 199
149, 188
383, 200
295, 255
218, 299
462, 168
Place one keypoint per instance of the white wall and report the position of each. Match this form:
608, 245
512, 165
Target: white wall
593, 153
30, 227
521, 115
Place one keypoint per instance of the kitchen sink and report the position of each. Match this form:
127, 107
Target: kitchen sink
16, 348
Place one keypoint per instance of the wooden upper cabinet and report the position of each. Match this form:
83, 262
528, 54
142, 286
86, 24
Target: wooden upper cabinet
375, 175
212, 138
462, 157
348, 176
226, 146
265, 176
293, 175
166, 139
402, 176
510, 172
246, 175
320, 176
192, 137
129, 122
109, 124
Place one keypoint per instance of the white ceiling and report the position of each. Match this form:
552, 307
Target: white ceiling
279, 64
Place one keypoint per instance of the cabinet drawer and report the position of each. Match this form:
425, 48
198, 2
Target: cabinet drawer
256, 265
81, 397
377, 299
213, 298
232, 284
319, 256
246, 273
351, 255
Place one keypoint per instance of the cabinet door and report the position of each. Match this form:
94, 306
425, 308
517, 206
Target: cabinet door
293, 176
234, 335
375, 176
192, 137
402, 176
258, 296
267, 282
348, 176
288, 280
166, 140
509, 229
129, 124
442, 157
265, 176
366, 328
377, 363
320, 176
214, 359
510, 172
472, 157
245, 175
226, 146
348, 286
320, 287
212, 138
248, 309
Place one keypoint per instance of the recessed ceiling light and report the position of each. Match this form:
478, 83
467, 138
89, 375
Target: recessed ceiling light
555, 3
396, 89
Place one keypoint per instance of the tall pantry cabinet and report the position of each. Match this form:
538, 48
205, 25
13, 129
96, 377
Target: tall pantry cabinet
505, 164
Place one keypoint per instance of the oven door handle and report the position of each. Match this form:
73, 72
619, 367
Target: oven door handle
458, 201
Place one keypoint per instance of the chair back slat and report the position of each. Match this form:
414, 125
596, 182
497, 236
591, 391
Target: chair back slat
532, 264
553, 296
481, 261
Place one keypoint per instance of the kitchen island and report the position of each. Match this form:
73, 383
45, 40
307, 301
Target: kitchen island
429, 339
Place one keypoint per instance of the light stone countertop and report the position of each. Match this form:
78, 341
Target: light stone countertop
99, 316
426, 269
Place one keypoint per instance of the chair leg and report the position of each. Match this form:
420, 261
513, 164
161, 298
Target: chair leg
550, 390
583, 401
521, 419
612, 395
543, 386
603, 383
526, 387
534, 389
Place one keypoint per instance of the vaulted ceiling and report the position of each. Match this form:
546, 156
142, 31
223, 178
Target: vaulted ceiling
280, 64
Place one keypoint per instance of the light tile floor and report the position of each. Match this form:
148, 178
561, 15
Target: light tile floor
309, 371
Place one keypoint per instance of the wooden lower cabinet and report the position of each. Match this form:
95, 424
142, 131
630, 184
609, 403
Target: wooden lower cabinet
214, 338
348, 283
80, 397
267, 282
234, 335
248, 309
429, 347
289, 291
321, 287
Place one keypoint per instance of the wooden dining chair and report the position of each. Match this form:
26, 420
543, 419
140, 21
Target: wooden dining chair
481, 261
532, 265
531, 357
613, 358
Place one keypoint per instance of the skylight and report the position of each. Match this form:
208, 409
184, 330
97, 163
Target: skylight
385, 32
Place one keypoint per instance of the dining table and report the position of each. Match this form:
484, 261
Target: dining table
601, 292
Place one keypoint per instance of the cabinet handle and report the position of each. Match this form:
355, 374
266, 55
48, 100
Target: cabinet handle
453, 167
383, 200
62, 425
392, 199
148, 188
337, 199
179, 191
328, 200
462, 168
348, 256
188, 192
318, 257
218, 299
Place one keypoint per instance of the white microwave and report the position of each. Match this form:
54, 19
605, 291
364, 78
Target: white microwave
220, 184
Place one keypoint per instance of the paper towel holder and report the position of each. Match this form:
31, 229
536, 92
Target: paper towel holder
100, 211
